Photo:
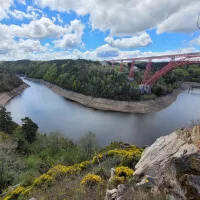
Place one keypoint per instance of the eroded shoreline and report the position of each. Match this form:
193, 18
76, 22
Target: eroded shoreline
5, 97
118, 106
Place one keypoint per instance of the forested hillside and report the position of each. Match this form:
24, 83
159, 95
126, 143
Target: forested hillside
9, 81
44, 165
91, 78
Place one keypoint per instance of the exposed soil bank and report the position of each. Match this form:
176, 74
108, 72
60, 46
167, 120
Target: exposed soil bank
7, 96
119, 106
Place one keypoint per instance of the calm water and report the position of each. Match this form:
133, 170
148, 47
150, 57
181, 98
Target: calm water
54, 113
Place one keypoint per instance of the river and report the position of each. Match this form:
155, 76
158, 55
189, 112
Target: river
54, 113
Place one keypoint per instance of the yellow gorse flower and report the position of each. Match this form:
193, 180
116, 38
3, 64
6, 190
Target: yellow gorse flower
15, 193
45, 178
91, 180
124, 171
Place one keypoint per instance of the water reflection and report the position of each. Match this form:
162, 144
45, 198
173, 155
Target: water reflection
52, 112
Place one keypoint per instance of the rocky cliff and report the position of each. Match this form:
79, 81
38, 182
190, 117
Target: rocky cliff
7, 96
169, 168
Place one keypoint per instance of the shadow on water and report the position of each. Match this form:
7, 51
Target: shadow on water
52, 112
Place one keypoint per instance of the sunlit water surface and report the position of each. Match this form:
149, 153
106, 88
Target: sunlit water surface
54, 113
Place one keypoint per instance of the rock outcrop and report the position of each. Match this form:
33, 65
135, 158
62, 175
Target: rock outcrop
168, 169
7, 96
173, 162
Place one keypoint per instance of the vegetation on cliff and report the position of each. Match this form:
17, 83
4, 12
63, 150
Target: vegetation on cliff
42, 163
93, 79
9, 81
54, 167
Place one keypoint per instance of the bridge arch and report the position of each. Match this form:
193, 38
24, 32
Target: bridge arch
176, 60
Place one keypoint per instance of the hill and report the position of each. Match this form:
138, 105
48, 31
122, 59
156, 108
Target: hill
92, 79
9, 81
53, 167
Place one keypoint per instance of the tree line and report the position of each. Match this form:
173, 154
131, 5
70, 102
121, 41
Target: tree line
9, 81
93, 79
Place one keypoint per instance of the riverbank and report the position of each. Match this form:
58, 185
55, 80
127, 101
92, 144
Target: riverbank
118, 106
7, 96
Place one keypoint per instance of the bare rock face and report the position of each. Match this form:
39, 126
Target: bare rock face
174, 160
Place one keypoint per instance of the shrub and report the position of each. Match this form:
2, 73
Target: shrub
15, 193
58, 170
91, 180
146, 97
27, 177
33, 162
85, 164
95, 160
124, 171
116, 180
4, 137
43, 179
26, 191
132, 153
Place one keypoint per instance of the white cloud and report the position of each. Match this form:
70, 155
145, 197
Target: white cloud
31, 13
195, 41
54, 19
140, 40
4, 8
60, 20
33, 9
68, 41
23, 46
30, 45
72, 39
127, 17
22, 2
184, 20
57, 18
41, 28
17, 14
105, 52
100, 53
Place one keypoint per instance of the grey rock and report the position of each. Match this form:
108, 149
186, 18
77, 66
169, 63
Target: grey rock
120, 189
158, 155
170, 159
147, 182
111, 194
115, 194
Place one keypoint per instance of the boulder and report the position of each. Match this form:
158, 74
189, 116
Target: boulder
111, 194
175, 162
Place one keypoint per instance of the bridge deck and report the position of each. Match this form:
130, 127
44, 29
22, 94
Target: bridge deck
187, 55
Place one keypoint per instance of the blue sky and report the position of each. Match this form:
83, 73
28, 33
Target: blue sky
97, 29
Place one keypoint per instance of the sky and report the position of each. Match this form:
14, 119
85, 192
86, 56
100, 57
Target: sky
97, 29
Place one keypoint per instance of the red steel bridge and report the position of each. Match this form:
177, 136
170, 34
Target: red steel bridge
175, 61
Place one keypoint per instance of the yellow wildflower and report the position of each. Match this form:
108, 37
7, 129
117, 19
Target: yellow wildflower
91, 180
124, 171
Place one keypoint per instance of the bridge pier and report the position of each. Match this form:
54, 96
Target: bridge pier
121, 67
177, 60
113, 66
131, 73
145, 89
147, 72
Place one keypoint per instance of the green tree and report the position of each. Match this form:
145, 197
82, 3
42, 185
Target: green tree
88, 143
6, 123
29, 129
